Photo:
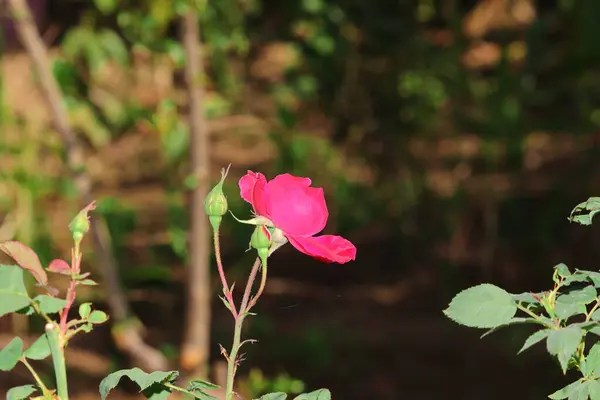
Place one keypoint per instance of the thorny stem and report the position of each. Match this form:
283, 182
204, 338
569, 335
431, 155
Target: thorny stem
37, 378
232, 360
226, 288
75, 267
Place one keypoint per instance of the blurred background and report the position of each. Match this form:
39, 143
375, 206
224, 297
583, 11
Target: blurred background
452, 139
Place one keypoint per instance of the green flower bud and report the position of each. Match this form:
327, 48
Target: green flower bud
261, 241
215, 204
81, 223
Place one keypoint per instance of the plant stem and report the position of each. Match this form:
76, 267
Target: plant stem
228, 294
58, 359
232, 361
37, 378
71, 292
261, 288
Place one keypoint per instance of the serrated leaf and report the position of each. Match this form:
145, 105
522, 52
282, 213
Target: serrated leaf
10, 354
526, 297
482, 306
144, 380
578, 390
584, 212
321, 394
565, 309
576, 278
39, 350
273, 396
20, 392
563, 343
26, 258
84, 310
585, 295
513, 321
592, 360
49, 304
98, 317
535, 338
13, 295
59, 266
197, 388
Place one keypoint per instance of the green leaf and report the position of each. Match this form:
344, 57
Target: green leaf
535, 338
87, 282
592, 360
49, 304
596, 315
39, 350
482, 306
565, 308
584, 212
513, 321
144, 380
10, 354
582, 296
321, 394
562, 270
578, 390
197, 388
13, 295
26, 258
273, 396
98, 317
84, 310
526, 297
20, 392
563, 343
594, 390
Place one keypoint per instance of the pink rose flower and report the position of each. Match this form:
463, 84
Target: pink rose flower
289, 204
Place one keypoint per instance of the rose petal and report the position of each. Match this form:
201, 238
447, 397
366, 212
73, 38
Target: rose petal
327, 248
295, 207
253, 187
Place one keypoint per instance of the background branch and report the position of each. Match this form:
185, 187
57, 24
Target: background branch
128, 338
196, 343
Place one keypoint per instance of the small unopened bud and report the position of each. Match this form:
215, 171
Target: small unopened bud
215, 204
261, 241
81, 223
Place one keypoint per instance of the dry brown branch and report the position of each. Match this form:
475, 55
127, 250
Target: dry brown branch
129, 339
196, 343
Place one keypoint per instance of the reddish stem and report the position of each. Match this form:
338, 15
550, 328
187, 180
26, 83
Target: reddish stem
228, 294
71, 291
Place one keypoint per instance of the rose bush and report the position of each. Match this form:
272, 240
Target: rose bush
297, 212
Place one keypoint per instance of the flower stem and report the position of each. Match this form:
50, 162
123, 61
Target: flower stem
232, 362
71, 294
37, 378
228, 295
58, 359
261, 288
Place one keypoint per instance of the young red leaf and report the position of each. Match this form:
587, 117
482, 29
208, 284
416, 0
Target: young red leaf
59, 266
26, 258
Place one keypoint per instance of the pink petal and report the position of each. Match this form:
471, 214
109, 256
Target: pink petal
295, 207
327, 248
253, 187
